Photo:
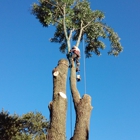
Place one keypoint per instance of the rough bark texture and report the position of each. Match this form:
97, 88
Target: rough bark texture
83, 109
58, 106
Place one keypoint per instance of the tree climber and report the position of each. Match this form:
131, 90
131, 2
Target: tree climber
76, 56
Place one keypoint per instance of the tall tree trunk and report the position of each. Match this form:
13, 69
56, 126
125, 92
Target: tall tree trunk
82, 108
58, 106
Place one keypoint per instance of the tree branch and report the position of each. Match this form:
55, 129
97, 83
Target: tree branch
80, 34
57, 21
81, 30
65, 29
70, 35
88, 23
55, 6
64, 23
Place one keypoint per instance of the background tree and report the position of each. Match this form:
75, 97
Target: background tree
26, 127
74, 21
9, 125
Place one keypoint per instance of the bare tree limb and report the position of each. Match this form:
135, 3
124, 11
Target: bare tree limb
80, 34
88, 23
70, 35
65, 29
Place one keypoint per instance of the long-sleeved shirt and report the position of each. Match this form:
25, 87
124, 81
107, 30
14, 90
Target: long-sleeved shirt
75, 50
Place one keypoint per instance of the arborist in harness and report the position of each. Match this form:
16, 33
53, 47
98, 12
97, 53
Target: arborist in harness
76, 56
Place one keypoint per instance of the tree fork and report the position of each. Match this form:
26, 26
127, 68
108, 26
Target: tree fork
82, 108
58, 107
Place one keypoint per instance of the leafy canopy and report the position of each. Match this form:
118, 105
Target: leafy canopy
75, 20
26, 127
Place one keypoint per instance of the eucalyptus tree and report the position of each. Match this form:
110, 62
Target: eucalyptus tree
74, 21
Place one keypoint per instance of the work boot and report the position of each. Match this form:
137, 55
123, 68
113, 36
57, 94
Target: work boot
77, 70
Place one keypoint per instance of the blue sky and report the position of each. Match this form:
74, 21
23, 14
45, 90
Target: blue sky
27, 59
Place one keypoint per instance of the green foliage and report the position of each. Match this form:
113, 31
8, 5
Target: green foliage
22, 137
75, 20
26, 127
9, 125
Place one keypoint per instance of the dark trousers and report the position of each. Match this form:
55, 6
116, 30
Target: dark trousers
76, 58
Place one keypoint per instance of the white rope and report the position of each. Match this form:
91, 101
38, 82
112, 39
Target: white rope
71, 114
84, 64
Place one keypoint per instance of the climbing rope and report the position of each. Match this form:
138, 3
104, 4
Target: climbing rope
71, 104
71, 114
84, 65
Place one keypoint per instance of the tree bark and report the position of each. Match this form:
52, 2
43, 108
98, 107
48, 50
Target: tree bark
82, 108
58, 106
